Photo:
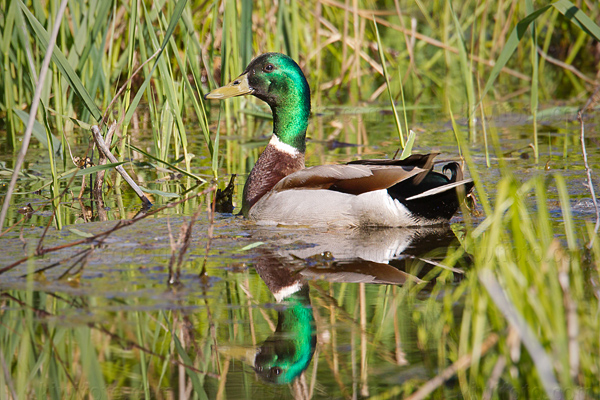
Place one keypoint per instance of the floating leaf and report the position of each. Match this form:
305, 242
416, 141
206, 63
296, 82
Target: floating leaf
80, 233
251, 246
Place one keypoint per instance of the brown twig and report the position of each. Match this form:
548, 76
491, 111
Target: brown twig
570, 306
40, 251
55, 264
183, 243
587, 166
492, 382
104, 149
542, 361
172, 278
97, 189
188, 236
10, 228
566, 66
82, 261
211, 222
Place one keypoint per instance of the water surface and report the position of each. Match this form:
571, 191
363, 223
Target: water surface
120, 317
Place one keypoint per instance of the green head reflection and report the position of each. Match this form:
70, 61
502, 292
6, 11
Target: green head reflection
284, 355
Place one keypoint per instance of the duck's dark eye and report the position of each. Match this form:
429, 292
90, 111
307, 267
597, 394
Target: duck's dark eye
276, 370
268, 68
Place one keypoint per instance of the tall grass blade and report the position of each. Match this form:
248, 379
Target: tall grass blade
180, 6
387, 83
578, 17
198, 106
53, 374
9, 98
94, 169
100, 21
509, 48
55, 186
60, 60
462, 148
215, 154
484, 129
194, 376
566, 8
168, 81
195, 53
404, 107
534, 81
565, 206
542, 360
141, 329
90, 363
465, 66
246, 32
34, 106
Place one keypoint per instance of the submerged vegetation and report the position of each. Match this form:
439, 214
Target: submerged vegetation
510, 312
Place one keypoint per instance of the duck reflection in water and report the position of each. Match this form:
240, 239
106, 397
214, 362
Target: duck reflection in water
285, 354
360, 256
381, 256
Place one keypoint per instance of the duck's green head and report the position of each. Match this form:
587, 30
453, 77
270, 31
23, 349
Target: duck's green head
276, 79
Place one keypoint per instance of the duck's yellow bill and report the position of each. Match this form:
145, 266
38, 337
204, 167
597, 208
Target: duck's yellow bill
238, 87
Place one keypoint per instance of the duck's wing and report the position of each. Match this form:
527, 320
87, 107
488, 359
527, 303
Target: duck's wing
360, 176
352, 179
422, 161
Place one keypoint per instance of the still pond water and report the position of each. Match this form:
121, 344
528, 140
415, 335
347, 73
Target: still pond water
346, 314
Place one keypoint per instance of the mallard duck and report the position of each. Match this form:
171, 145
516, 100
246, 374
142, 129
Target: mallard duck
280, 190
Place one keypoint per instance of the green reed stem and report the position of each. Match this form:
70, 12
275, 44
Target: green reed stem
387, 82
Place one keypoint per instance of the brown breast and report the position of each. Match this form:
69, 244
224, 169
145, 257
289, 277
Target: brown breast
271, 167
